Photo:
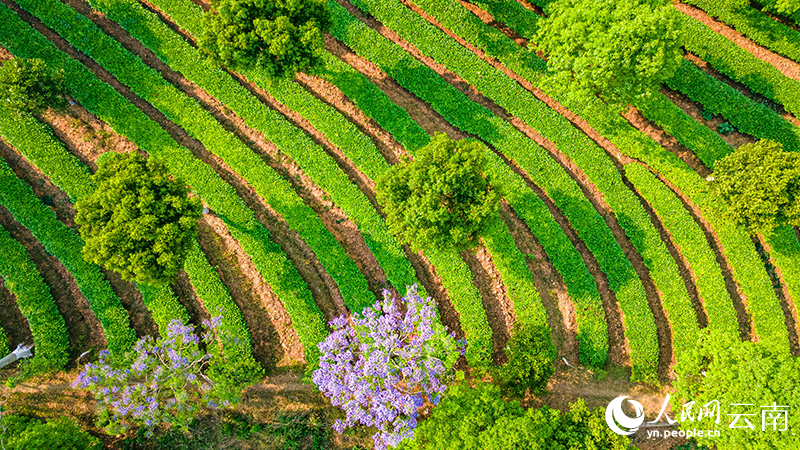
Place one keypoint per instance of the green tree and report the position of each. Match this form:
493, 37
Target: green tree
478, 418
760, 183
530, 362
24, 433
139, 222
28, 86
723, 368
279, 37
442, 199
618, 49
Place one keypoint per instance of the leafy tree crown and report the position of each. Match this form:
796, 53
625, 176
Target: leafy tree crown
139, 222
618, 49
442, 199
28, 86
279, 37
760, 183
530, 362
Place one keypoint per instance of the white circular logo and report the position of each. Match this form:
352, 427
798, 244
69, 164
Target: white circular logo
615, 415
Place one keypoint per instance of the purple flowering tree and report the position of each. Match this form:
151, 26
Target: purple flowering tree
383, 366
159, 382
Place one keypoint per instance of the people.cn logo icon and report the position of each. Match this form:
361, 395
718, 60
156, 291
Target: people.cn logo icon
619, 422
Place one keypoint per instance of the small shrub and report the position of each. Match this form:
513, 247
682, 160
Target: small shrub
726, 128
530, 362
24, 433
28, 86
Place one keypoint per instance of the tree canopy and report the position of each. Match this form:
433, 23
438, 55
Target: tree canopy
723, 368
139, 222
25, 433
29, 86
530, 362
619, 49
478, 418
760, 183
279, 37
443, 198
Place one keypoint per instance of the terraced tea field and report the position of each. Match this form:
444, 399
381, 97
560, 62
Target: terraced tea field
607, 234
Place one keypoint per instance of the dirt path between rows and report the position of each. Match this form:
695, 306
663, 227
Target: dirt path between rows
561, 315
264, 312
735, 138
786, 66
788, 306
667, 141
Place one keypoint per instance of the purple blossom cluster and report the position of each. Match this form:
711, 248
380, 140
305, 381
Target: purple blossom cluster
383, 366
159, 381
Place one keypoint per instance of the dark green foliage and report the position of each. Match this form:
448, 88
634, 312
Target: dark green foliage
480, 419
140, 222
441, 199
619, 49
279, 37
708, 115
24, 433
726, 128
27, 86
530, 362
761, 185
726, 369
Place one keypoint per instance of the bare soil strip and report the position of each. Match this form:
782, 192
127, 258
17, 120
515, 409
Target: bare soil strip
781, 291
332, 96
561, 316
431, 121
263, 311
743, 89
667, 141
785, 65
495, 299
735, 139
535, 8
184, 291
618, 346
